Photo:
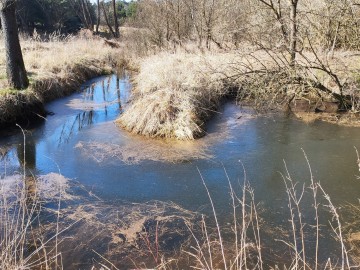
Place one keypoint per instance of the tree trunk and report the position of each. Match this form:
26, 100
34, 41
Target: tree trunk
293, 32
15, 68
276, 9
116, 24
107, 21
87, 15
98, 17
81, 8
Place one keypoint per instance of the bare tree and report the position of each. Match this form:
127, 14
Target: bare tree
293, 31
98, 17
107, 19
15, 68
291, 36
116, 23
277, 10
82, 9
87, 15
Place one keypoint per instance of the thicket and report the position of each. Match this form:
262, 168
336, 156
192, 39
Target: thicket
224, 23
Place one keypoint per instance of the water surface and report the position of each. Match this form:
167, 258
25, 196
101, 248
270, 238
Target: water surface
82, 142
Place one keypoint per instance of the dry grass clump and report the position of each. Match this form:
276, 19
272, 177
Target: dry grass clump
174, 94
62, 59
58, 67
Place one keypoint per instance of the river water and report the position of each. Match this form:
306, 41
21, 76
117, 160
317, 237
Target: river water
80, 141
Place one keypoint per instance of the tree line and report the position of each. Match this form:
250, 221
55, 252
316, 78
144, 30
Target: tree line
69, 16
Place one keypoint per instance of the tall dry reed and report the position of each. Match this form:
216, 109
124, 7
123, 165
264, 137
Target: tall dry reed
211, 251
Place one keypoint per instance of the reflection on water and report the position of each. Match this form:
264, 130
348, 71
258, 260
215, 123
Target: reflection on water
99, 101
27, 155
74, 125
82, 142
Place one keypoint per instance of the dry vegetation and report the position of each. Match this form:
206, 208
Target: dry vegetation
195, 55
175, 93
23, 244
216, 48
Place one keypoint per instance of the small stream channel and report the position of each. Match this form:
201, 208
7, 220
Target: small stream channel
81, 141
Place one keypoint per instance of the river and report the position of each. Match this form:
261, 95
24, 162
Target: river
119, 172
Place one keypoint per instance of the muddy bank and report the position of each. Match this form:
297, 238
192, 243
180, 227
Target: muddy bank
20, 108
348, 119
329, 111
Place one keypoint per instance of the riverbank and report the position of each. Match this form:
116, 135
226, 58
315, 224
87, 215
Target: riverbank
175, 93
56, 67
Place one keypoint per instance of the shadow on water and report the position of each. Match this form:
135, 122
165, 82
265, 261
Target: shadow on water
123, 172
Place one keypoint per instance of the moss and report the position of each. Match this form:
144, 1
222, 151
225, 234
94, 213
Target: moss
9, 91
13, 91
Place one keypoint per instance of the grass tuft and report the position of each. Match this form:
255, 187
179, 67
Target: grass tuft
174, 94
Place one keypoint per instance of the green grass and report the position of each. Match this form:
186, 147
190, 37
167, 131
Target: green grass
11, 91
